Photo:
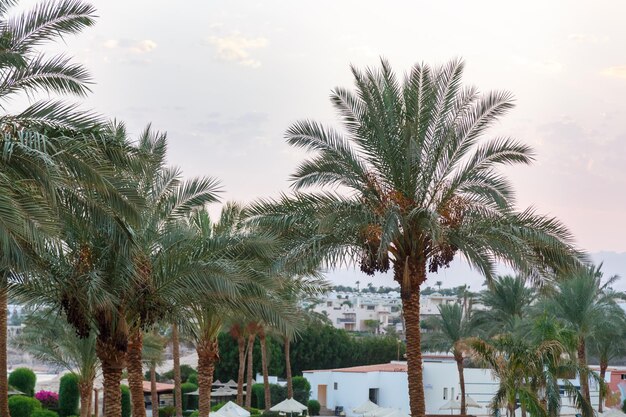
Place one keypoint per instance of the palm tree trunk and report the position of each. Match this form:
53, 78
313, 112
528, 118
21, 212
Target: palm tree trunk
135, 372
86, 390
208, 354
112, 363
154, 395
178, 392
410, 276
288, 367
603, 365
4, 384
582, 362
249, 376
241, 345
266, 379
458, 357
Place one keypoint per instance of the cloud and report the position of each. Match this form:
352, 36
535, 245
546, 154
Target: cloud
541, 67
618, 71
588, 38
129, 45
236, 48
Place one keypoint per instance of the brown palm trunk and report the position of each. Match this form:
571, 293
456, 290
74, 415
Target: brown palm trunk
288, 367
241, 345
4, 384
458, 357
264, 365
208, 354
86, 390
112, 363
178, 391
154, 395
249, 376
582, 362
135, 372
410, 276
603, 365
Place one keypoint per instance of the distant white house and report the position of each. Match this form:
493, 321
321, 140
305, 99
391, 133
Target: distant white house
387, 385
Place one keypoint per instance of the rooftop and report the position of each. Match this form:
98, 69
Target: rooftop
383, 367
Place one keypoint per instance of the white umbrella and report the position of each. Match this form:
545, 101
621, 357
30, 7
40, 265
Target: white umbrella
365, 407
289, 406
224, 413
378, 412
397, 413
470, 402
234, 408
224, 392
230, 383
451, 405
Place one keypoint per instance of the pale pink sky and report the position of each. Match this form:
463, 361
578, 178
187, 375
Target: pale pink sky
226, 78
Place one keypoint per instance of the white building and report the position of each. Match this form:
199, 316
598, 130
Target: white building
387, 386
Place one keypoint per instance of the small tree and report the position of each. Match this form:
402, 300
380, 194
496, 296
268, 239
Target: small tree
69, 395
23, 379
126, 404
301, 389
314, 407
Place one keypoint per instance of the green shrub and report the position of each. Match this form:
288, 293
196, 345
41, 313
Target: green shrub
168, 411
69, 395
255, 411
187, 413
146, 376
190, 402
44, 413
23, 379
194, 414
277, 394
22, 406
623, 407
301, 389
314, 407
126, 404
217, 406
185, 371
270, 414
193, 378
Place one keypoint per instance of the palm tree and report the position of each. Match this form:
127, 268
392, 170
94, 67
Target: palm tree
409, 185
507, 300
450, 331
237, 331
153, 356
581, 301
49, 338
439, 284
28, 162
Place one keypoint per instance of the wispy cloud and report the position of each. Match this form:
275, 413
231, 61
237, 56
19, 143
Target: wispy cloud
588, 38
132, 46
236, 48
618, 71
548, 66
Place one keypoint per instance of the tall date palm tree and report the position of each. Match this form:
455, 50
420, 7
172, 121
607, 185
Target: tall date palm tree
408, 184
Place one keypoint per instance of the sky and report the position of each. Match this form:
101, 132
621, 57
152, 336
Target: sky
226, 78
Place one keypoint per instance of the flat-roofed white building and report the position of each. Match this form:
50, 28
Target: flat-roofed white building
387, 385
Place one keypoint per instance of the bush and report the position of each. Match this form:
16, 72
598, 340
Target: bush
44, 413
270, 414
193, 378
301, 389
24, 380
314, 407
146, 376
126, 404
168, 411
185, 371
218, 406
22, 406
48, 399
194, 414
69, 395
623, 407
277, 394
255, 411
190, 402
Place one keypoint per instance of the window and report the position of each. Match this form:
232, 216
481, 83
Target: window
374, 395
370, 307
445, 393
452, 392
623, 376
329, 303
335, 386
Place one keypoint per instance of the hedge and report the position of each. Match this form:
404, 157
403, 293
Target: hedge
190, 402
23, 379
126, 404
301, 389
168, 411
314, 407
69, 395
44, 413
22, 406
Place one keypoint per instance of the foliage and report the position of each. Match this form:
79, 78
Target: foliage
24, 379
48, 399
69, 395
190, 402
624, 406
22, 406
44, 413
193, 414
301, 389
228, 364
277, 394
185, 371
314, 407
126, 403
193, 378
217, 406
168, 411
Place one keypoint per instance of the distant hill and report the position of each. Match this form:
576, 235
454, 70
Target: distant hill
459, 273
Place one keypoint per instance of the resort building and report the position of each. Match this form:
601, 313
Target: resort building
387, 385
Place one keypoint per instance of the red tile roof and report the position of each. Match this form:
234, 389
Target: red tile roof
161, 387
383, 367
